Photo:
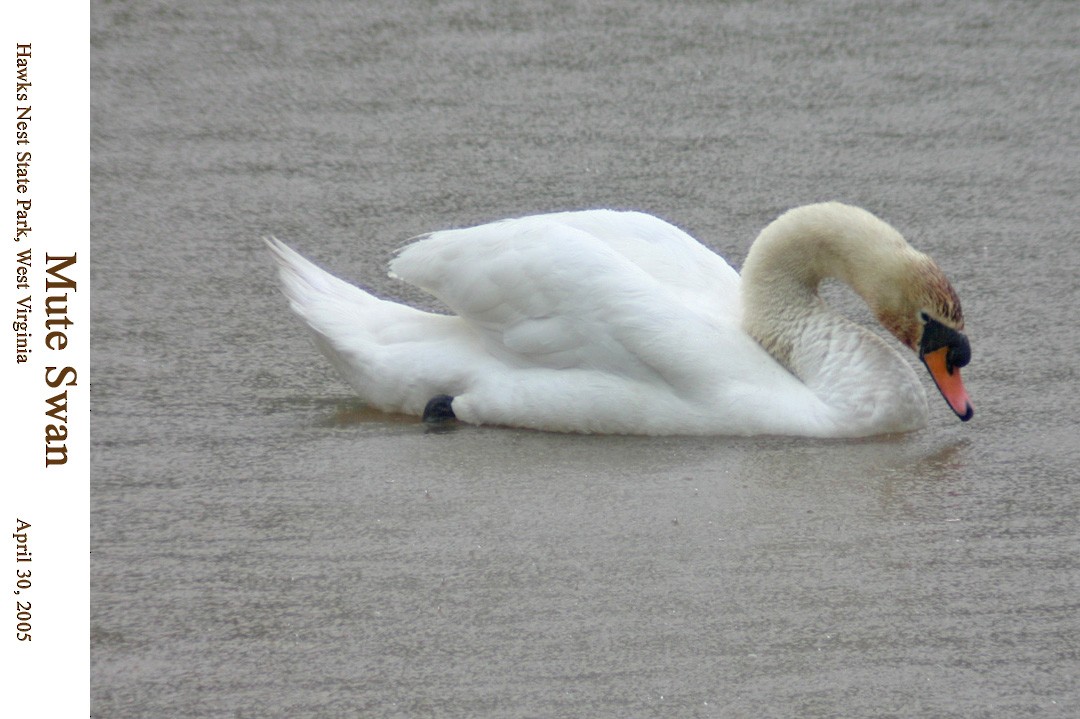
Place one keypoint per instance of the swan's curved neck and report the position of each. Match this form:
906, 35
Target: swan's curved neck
856, 374
791, 257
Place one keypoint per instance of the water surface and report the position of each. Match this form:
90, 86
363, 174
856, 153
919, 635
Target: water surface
265, 547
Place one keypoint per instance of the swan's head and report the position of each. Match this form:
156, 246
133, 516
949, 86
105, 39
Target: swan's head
905, 289
925, 315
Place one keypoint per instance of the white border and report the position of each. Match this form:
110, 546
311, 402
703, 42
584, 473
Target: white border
50, 674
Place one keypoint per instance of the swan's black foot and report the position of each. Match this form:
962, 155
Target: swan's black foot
438, 410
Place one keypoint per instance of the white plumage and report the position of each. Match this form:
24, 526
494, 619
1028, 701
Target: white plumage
604, 321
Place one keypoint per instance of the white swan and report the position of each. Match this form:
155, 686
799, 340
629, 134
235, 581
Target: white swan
617, 322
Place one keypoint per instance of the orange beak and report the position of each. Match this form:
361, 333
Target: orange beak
948, 382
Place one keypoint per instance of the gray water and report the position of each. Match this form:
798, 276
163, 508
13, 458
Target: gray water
263, 546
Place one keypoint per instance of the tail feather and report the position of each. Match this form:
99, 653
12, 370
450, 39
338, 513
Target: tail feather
306, 284
392, 355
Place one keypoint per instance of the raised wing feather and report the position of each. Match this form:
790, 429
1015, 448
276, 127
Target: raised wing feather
589, 290
696, 274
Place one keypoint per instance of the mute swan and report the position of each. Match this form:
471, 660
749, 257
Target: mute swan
618, 322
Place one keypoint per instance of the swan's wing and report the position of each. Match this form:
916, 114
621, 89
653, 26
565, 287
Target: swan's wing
696, 274
622, 292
